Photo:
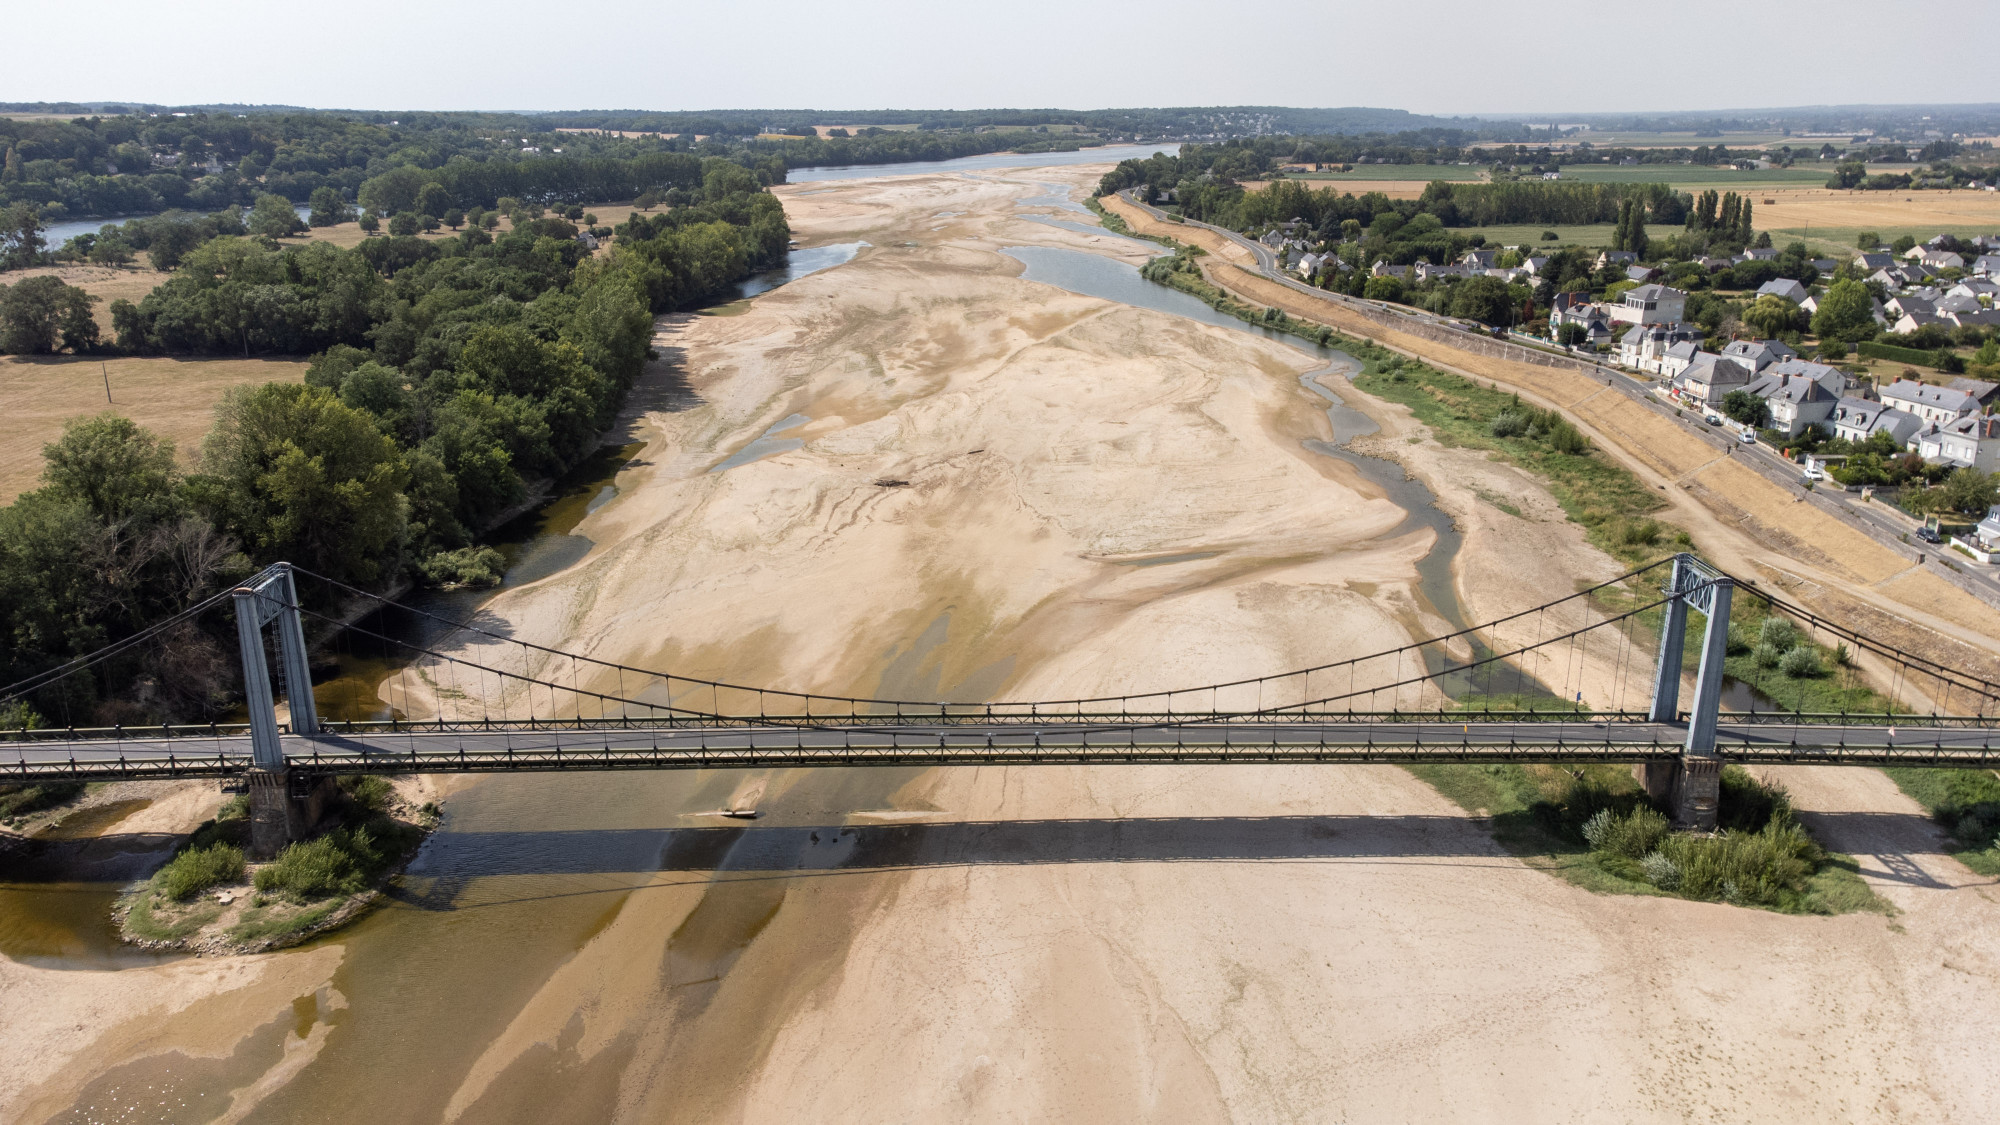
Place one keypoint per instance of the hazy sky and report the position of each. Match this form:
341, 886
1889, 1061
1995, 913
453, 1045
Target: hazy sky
1428, 56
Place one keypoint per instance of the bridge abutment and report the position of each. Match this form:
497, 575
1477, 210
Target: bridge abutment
1690, 788
285, 807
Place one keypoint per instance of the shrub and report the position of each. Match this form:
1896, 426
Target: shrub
197, 869
1508, 424
1661, 871
467, 566
1767, 654
1632, 834
1778, 631
1802, 663
369, 793
336, 863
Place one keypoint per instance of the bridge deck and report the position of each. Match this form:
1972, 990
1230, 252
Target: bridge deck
958, 742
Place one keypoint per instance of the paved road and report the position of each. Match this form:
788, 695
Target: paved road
980, 743
1885, 524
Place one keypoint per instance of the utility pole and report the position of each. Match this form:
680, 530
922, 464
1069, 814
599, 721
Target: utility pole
107, 379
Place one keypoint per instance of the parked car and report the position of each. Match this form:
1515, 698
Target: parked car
1929, 535
1714, 420
1813, 474
1747, 438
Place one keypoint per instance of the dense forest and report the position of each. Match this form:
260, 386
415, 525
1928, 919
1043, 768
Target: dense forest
449, 374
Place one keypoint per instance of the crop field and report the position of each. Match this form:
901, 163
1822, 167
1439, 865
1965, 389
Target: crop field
1420, 173
1692, 175
174, 397
1530, 235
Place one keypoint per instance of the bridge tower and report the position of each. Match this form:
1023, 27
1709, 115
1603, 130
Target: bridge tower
1692, 785
283, 806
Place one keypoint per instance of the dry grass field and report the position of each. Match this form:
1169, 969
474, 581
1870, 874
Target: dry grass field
174, 397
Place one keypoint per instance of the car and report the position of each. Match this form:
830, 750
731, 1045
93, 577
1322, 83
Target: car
1813, 474
1714, 420
1747, 438
1929, 535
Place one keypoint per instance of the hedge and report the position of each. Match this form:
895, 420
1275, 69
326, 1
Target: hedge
1901, 355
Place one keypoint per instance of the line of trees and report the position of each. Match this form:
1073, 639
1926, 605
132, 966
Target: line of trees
449, 375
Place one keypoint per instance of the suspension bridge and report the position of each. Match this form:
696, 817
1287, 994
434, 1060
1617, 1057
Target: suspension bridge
1595, 676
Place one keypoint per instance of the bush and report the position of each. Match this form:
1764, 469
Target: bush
1661, 871
20, 800
1632, 835
1508, 424
467, 566
1779, 632
336, 863
1767, 654
1802, 663
369, 793
197, 869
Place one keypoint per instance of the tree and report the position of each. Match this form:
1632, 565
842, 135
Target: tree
308, 479
370, 222
1846, 312
20, 235
1773, 316
453, 218
1902, 244
1744, 407
1383, 289
1867, 240
1484, 299
274, 217
41, 314
404, 223
329, 209
432, 200
120, 469
1573, 335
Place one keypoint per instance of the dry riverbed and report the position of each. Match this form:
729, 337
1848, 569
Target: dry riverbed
1054, 943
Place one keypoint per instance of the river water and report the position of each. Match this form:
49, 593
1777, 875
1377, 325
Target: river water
524, 872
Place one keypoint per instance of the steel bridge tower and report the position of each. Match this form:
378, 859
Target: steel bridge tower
283, 807
1691, 786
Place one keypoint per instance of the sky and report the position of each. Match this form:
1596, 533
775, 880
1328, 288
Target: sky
1429, 56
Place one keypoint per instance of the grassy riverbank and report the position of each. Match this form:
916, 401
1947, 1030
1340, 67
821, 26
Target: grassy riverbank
207, 898
1966, 804
1594, 827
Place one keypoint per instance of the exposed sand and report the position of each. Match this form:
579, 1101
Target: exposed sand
1158, 943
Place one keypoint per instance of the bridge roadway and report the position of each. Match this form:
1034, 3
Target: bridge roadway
481, 748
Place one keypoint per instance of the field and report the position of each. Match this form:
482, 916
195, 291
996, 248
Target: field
172, 396
1627, 139
1420, 173
1691, 175
1589, 234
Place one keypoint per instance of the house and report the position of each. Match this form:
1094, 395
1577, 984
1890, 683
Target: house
1481, 260
1272, 238
1986, 393
1929, 403
1646, 347
1975, 287
1978, 318
1428, 272
1986, 264
1970, 442
1888, 277
1825, 266
1759, 254
1831, 378
1784, 287
1617, 258
1565, 303
1988, 529
1534, 265
1677, 358
1641, 274
1909, 303
1795, 402
1941, 260
1873, 262
1857, 419
1713, 264
1384, 269
586, 239
1948, 304
1650, 304
1705, 381
1912, 321
1758, 354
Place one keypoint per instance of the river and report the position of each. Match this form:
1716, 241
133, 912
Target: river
524, 872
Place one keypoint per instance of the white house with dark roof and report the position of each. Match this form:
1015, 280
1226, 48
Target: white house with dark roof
1784, 287
1911, 321
1831, 378
1969, 442
1873, 262
1929, 403
1988, 529
1647, 346
1795, 401
1617, 258
1758, 354
1986, 264
1709, 377
1985, 393
1758, 254
1650, 304
1857, 419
